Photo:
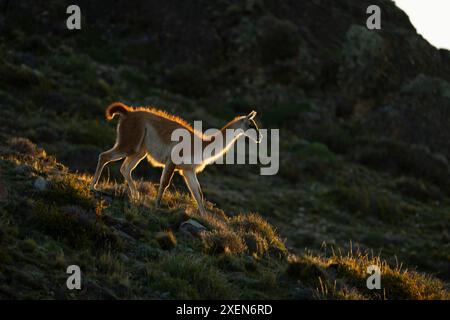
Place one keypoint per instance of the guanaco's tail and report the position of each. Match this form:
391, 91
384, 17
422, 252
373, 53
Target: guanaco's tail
116, 108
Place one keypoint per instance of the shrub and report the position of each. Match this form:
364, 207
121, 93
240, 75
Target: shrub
134, 79
91, 132
338, 139
255, 243
229, 109
110, 265
238, 104
28, 245
187, 79
80, 66
69, 189
278, 39
47, 132
364, 62
305, 270
282, 105
365, 201
75, 227
313, 159
397, 284
417, 189
217, 242
399, 158
23, 145
426, 87
290, 168
22, 76
88, 105
80, 158
36, 44
285, 112
253, 223
318, 150
189, 277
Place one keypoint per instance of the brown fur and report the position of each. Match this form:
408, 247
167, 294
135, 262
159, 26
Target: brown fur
132, 144
131, 128
116, 107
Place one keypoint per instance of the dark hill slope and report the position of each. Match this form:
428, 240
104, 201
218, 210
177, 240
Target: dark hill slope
364, 119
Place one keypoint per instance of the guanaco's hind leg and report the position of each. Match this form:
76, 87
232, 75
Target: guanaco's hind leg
164, 182
130, 135
190, 177
127, 168
103, 159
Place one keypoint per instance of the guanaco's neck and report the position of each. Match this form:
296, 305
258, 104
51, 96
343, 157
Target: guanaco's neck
227, 142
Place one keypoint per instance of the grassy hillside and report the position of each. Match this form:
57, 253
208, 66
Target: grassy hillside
364, 175
50, 219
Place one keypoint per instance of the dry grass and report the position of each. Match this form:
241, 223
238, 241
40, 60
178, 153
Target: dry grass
344, 275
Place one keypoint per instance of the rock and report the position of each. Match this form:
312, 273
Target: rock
23, 169
192, 227
40, 184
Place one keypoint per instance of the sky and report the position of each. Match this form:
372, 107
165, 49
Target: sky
431, 18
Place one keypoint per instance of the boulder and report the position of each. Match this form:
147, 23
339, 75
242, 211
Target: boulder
192, 227
40, 184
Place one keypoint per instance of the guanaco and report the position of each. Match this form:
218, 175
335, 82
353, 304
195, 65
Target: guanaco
146, 133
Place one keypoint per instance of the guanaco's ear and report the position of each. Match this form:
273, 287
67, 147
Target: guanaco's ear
251, 115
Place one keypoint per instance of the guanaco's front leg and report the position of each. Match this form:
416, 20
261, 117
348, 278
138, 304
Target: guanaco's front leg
164, 183
190, 177
127, 168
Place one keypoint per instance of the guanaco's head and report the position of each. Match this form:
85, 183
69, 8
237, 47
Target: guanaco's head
248, 122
